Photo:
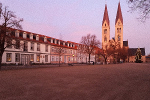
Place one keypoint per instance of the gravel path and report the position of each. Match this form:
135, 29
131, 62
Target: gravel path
129, 81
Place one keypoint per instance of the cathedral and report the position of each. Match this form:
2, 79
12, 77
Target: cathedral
118, 39
118, 28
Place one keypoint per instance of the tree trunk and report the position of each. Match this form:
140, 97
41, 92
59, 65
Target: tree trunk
59, 60
105, 60
0, 61
89, 58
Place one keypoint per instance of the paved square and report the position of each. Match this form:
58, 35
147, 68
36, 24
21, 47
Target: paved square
129, 81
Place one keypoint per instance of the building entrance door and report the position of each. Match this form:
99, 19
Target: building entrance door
64, 59
25, 59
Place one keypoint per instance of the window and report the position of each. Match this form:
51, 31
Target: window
61, 42
53, 50
8, 57
25, 46
32, 57
68, 58
32, 46
37, 37
38, 58
17, 57
66, 44
57, 58
46, 58
57, 41
34, 37
31, 36
45, 39
24, 35
118, 30
20, 34
27, 35
17, 44
105, 39
118, 38
53, 40
46, 48
105, 31
71, 51
38, 47
17, 34
53, 59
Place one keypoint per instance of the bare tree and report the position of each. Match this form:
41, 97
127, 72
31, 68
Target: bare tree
122, 53
8, 20
142, 6
80, 52
107, 52
89, 44
60, 50
111, 49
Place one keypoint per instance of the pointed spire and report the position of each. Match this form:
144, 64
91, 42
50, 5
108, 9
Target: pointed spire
119, 14
105, 17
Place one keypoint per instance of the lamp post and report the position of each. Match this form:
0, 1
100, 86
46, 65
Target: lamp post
73, 58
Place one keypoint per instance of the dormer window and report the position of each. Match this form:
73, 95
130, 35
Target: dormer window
17, 34
31, 36
24, 35
37, 37
61, 42
58, 42
45, 39
64, 43
51, 40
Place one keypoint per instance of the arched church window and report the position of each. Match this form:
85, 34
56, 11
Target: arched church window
118, 38
105, 31
118, 30
105, 39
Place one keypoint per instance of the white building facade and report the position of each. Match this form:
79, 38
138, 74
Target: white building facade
30, 48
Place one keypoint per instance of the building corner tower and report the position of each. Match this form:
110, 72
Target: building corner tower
105, 29
119, 27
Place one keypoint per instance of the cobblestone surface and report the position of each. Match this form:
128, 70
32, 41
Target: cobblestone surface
129, 81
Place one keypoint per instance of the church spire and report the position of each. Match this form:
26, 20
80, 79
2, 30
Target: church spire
105, 17
119, 14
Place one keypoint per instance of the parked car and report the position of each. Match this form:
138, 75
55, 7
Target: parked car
91, 62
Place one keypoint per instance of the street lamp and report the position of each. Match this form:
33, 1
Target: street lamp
73, 58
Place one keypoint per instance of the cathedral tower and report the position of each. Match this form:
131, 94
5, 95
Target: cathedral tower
105, 29
119, 27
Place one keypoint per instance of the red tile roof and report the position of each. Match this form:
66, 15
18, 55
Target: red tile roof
41, 39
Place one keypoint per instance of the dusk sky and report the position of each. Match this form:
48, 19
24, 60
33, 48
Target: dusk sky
72, 19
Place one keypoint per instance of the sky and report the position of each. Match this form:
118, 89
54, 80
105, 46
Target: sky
69, 20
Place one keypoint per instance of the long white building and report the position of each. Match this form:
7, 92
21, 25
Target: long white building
39, 49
